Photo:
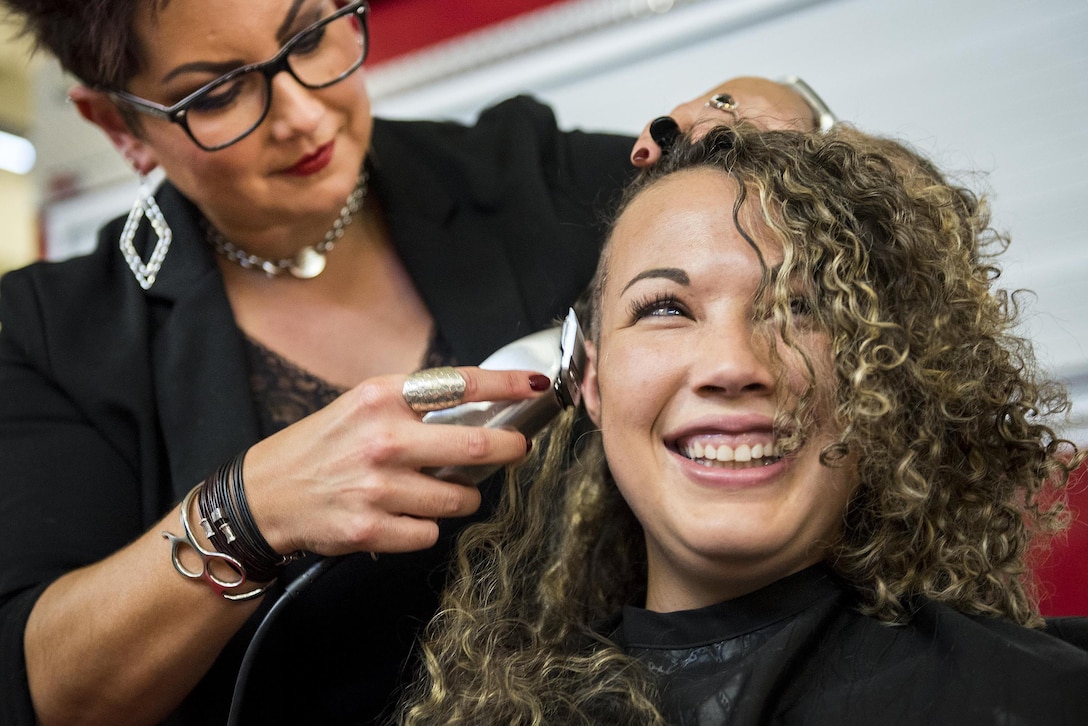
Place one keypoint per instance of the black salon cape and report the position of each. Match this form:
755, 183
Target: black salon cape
114, 401
798, 652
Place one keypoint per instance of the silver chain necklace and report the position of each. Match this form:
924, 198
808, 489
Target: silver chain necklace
307, 263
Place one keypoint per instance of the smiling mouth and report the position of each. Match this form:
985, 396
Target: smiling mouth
724, 456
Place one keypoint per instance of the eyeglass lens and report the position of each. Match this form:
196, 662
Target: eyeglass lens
321, 56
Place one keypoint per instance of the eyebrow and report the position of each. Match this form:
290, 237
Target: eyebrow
203, 67
219, 68
283, 33
669, 273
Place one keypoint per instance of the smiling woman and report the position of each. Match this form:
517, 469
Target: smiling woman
728, 505
820, 456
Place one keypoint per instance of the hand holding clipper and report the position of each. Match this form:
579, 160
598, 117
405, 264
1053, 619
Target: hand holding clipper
558, 353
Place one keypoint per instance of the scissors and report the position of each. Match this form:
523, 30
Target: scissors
208, 558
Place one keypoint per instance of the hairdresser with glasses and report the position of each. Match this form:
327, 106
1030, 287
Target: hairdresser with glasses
221, 386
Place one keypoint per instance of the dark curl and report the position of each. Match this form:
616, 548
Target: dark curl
93, 39
937, 399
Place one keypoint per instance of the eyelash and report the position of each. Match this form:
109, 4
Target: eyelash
665, 305
649, 306
800, 306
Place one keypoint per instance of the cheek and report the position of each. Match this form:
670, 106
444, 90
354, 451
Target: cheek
351, 109
831, 489
351, 97
204, 176
808, 374
634, 384
180, 157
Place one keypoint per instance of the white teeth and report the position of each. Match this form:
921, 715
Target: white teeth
741, 454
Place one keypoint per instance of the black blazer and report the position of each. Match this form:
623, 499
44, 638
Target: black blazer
115, 401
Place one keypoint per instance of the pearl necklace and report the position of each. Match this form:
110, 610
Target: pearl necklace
307, 263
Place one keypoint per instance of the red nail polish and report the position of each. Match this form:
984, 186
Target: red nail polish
528, 445
641, 154
539, 382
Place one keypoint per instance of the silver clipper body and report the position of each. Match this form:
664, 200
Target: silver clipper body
558, 353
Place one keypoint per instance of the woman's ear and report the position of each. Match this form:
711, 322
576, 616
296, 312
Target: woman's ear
98, 108
591, 394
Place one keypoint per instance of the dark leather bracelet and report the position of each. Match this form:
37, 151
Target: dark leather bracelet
229, 525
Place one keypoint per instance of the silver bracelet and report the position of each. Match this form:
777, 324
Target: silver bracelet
208, 558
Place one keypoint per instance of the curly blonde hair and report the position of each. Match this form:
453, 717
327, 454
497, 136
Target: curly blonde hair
936, 397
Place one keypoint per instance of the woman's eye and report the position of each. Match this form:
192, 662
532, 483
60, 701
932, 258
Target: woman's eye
218, 98
658, 307
800, 306
309, 42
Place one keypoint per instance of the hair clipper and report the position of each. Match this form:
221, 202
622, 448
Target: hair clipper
560, 354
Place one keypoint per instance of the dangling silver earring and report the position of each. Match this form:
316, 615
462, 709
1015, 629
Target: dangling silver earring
145, 206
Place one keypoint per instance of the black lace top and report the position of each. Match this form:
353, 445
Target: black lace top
284, 392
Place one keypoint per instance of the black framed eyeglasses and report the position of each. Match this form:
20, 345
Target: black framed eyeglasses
227, 110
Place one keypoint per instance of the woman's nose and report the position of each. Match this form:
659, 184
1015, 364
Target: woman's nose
732, 360
295, 109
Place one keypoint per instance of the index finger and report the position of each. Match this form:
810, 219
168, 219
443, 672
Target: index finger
439, 388
502, 385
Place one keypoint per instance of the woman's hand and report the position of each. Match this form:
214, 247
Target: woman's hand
347, 478
762, 102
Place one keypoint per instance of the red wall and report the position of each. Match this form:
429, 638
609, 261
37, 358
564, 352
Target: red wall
1063, 573
401, 26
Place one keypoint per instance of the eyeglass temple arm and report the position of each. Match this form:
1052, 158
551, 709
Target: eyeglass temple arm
825, 119
148, 107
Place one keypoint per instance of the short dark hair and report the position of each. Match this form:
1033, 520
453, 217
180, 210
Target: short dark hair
92, 39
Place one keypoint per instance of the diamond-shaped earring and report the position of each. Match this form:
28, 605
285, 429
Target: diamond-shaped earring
145, 206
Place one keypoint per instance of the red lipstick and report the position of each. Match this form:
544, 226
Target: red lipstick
312, 163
